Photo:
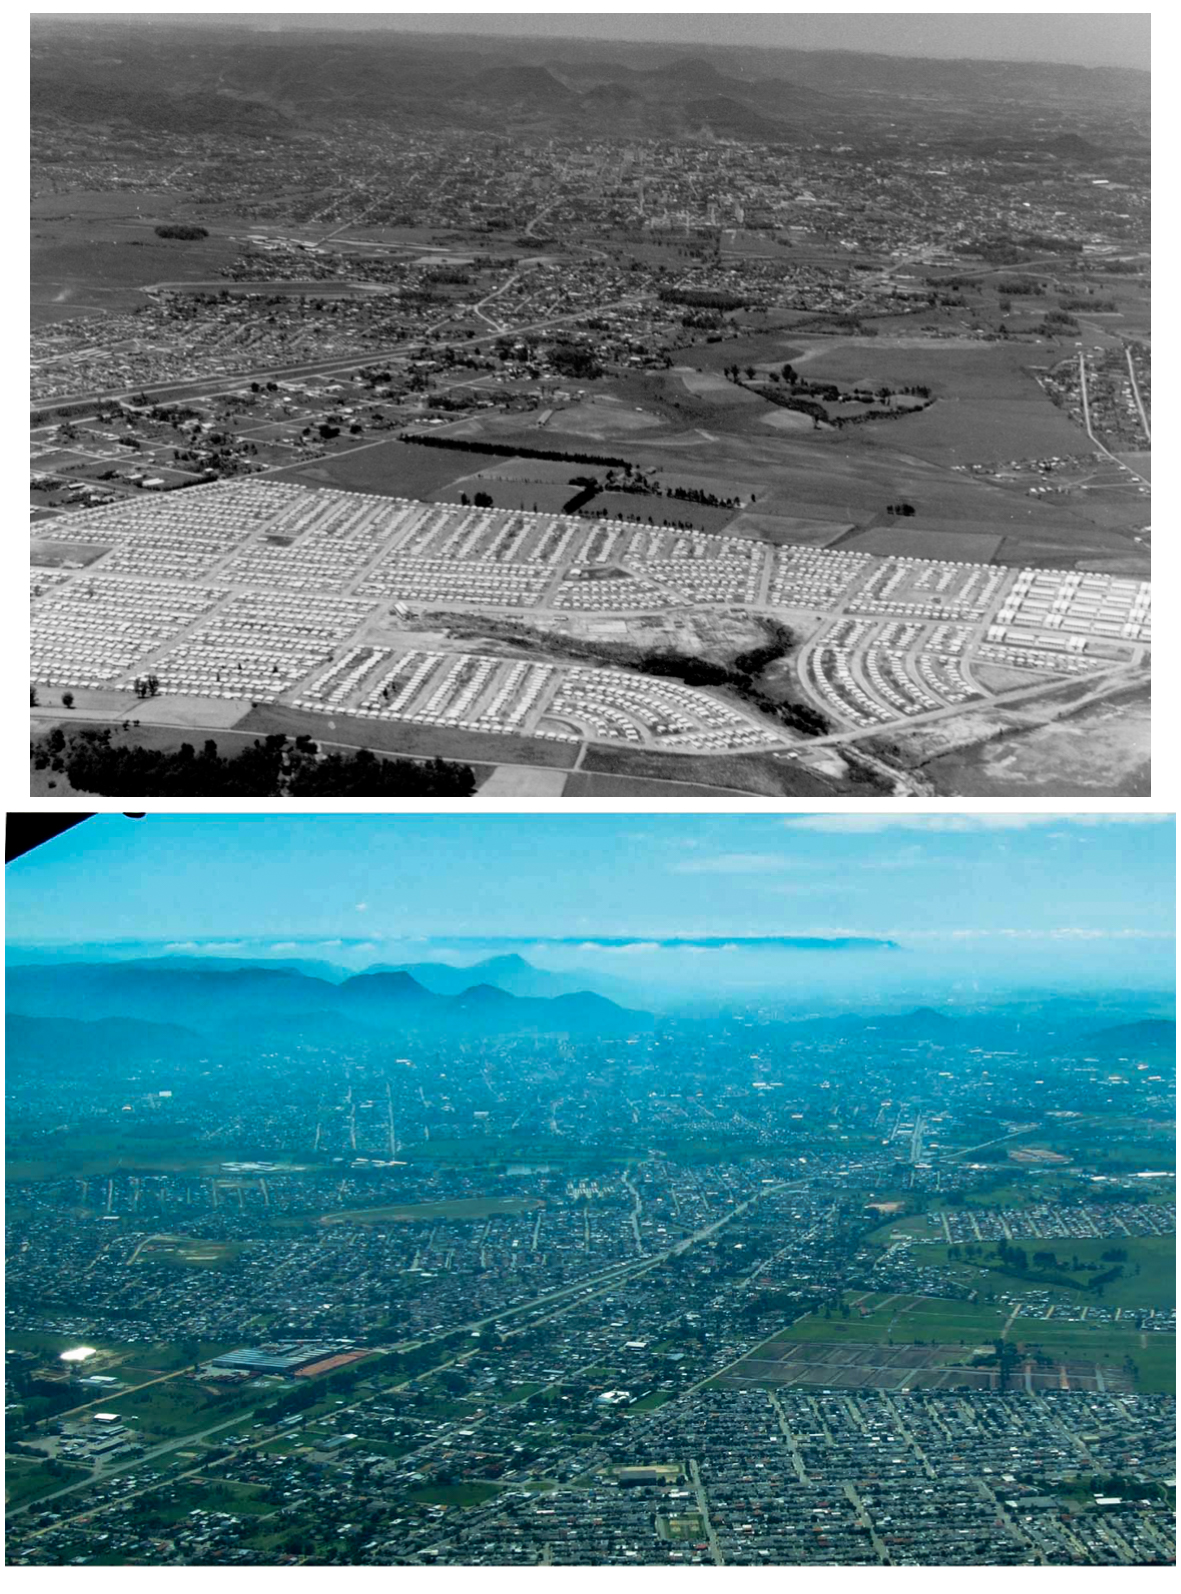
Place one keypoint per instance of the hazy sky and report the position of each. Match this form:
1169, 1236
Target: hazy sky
1091, 38
995, 890
1119, 38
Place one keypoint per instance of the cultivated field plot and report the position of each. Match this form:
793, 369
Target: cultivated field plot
267, 591
823, 1364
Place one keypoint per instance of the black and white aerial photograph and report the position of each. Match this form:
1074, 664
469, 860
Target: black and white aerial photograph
590, 405
396, 1190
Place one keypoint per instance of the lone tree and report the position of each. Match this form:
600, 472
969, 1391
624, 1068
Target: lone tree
67, 699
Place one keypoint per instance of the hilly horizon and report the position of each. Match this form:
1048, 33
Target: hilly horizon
269, 1000
259, 83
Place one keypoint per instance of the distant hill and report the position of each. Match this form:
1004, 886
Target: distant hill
922, 1023
1148, 1035
94, 1042
245, 82
510, 972
219, 1003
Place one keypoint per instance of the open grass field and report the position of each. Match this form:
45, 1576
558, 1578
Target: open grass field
431, 1211
455, 1494
52, 1345
1149, 1279
583, 784
907, 542
26, 1480
391, 468
411, 741
179, 1252
759, 774
97, 251
178, 1407
84, 1156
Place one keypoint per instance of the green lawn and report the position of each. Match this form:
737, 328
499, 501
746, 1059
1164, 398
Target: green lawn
649, 1402
458, 1494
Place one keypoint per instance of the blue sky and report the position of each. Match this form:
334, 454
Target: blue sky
1091, 895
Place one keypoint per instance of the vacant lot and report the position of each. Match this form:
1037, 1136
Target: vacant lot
759, 774
1102, 750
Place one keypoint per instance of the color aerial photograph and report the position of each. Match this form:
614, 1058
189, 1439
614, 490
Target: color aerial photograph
590, 405
398, 1190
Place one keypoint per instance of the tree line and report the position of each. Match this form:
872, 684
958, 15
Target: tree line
93, 761
469, 445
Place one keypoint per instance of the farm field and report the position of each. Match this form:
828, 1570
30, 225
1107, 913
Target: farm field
959, 1329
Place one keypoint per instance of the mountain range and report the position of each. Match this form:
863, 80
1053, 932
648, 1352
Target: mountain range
276, 1001
256, 82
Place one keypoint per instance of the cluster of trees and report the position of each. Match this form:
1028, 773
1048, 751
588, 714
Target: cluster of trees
702, 320
810, 398
574, 360
698, 495
1022, 286
1004, 249
587, 486
272, 767
178, 229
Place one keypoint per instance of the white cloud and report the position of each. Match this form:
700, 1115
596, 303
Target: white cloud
1064, 933
361, 907
839, 824
210, 948
629, 949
